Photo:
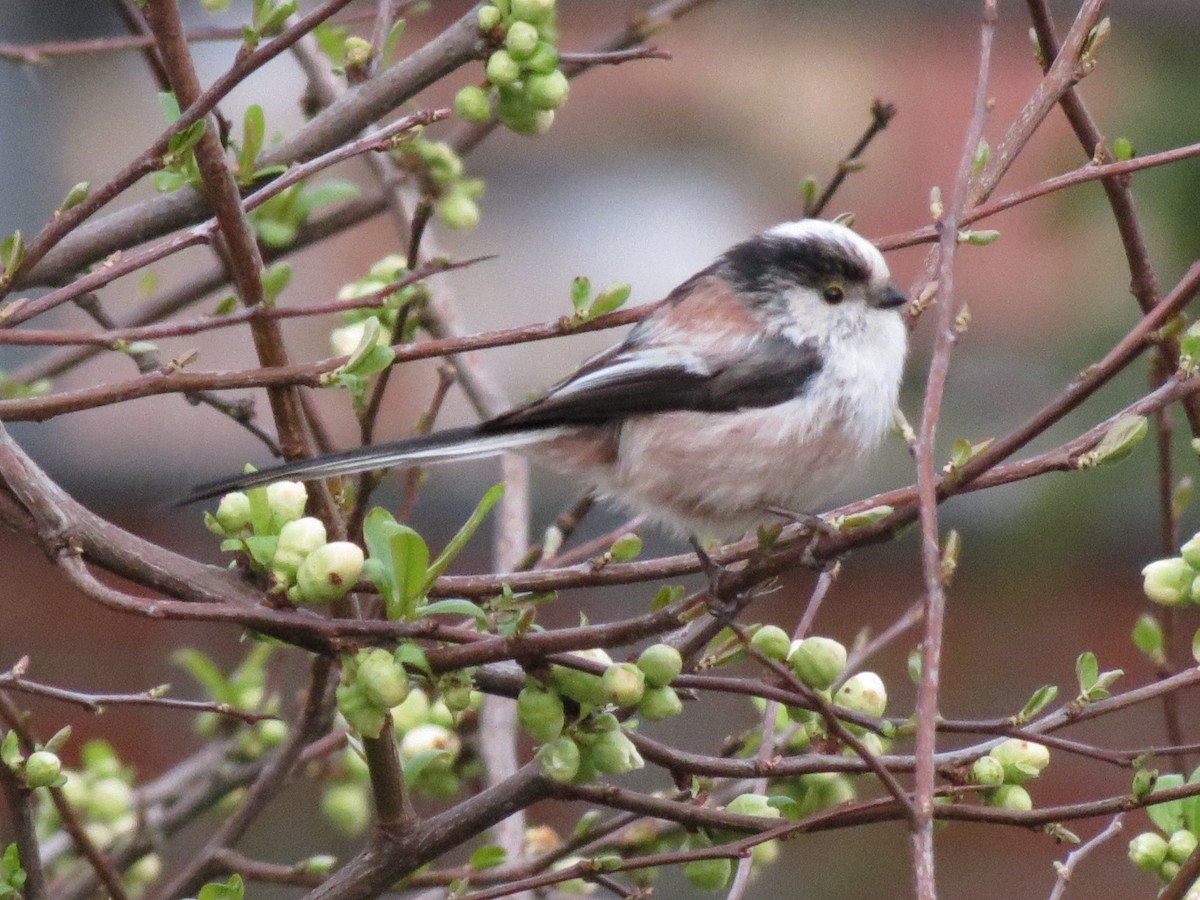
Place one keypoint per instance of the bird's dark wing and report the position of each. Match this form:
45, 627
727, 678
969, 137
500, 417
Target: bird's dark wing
635, 380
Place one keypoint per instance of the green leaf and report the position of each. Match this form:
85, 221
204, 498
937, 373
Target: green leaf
169, 106
1087, 669
585, 824
261, 548
254, 129
1118, 442
413, 657
1167, 816
488, 857
374, 361
415, 767
581, 292
393, 36
206, 672
611, 298
233, 889
183, 141
862, 519
399, 558
274, 233
1147, 636
489, 499
275, 278
325, 194
10, 750
665, 596
331, 39
457, 606
167, 180
76, 195
269, 18
12, 253
1122, 149
58, 740
1040, 699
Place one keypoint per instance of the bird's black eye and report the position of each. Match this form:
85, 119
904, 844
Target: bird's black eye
834, 294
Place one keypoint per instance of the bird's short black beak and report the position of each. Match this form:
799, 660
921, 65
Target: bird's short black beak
892, 297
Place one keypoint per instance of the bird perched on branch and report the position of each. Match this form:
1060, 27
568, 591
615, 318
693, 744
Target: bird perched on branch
753, 390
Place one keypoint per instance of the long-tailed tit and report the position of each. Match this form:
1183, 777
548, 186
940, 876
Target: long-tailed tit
758, 384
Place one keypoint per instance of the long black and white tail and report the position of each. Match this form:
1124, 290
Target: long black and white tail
470, 442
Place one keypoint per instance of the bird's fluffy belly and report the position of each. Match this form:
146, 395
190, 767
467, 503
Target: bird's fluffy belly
679, 469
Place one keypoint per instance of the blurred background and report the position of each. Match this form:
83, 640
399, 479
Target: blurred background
652, 168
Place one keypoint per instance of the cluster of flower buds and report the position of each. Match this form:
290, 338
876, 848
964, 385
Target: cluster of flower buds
595, 744
100, 792
1003, 772
1176, 580
268, 526
428, 744
456, 196
524, 82
1157, 855
820, 662
373, 681
345, 340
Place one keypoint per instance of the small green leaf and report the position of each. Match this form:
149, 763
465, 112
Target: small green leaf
1182, 496
10, 751
58, 740
412, 656
1087, 669
862, 519
665, 596
326, 193
488, 857
269, 18
809, 189
1118, 442
611, 298
585, 824
275, 278
1148, 637
226, 306
399, 559
330, 39
1144, 781
75, 196
169, 106
261, 548
1040, 699
422, 761
625, 548
12, 254
185, 140
1189, 350
206, 673
581, 292
254, 128
1122, 149
233, 889
454, 607
982, 154
454, 547
1167, 816
393, 37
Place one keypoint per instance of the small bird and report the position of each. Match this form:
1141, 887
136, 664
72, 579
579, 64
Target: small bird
751, 391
